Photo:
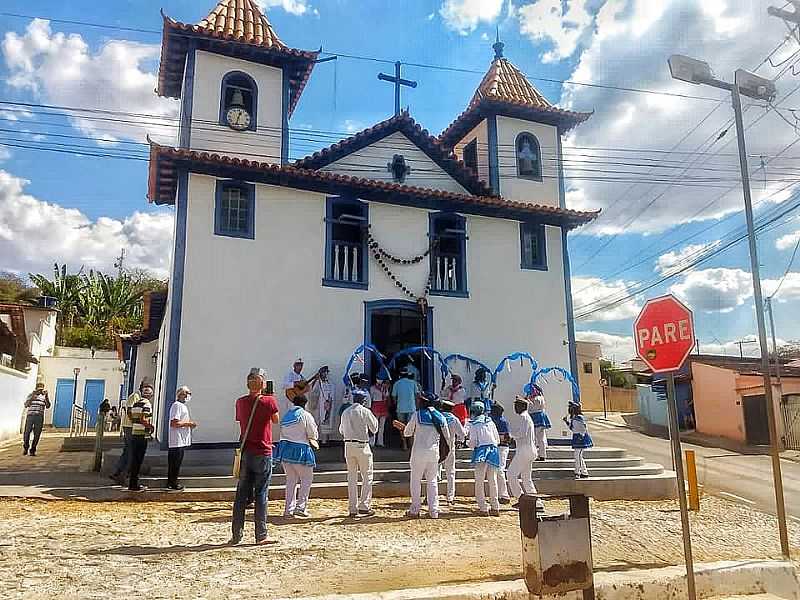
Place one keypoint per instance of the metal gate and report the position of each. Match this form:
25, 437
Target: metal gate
790, 406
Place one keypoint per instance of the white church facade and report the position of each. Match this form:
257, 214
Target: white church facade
390, 237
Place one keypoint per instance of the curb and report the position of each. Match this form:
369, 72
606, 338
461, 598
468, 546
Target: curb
712, 579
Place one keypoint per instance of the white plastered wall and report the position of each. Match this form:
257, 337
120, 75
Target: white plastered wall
479, 132
513, 187
261, 303
264, 144
372, 162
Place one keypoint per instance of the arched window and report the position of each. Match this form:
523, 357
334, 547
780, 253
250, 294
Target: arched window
238, 101
529, 158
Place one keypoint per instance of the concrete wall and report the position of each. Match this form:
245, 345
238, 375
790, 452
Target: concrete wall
513, 187
372, 162
262, 145
105, 365
14, 388
261, 303
480, 133
717, 406
651, 407
589, 356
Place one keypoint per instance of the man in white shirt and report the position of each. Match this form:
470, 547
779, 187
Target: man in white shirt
522, 430
323, 393
293, 376
357, 424
180, 435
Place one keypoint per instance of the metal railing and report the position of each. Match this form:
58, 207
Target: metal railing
790, 406
79, 421
346, 262
445, 273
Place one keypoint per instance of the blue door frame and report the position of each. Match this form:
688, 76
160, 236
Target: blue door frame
378, 305
62, 411
93, 393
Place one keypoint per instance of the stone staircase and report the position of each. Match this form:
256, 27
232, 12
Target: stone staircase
613, 475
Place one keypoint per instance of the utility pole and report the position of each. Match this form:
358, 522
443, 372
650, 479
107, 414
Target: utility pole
790, 17
774, 343
120, 262
740, 343
758, 88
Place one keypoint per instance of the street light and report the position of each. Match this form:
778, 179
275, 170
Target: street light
753, 86
76, 371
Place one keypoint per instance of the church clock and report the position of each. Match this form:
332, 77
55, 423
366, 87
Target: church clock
238, 118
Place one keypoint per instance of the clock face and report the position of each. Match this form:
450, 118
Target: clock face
238, 118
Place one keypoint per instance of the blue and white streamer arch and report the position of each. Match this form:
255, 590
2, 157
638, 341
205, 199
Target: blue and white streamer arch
509, 358
362, 350
548, 374
428, 352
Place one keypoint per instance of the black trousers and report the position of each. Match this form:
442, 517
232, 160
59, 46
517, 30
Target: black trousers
174, 460
33, 424
138, 450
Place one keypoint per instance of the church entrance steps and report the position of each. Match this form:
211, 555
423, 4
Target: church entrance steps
638, 487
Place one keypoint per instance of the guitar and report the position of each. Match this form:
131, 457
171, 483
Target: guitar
302, 386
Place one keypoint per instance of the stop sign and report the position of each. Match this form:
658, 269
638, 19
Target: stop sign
664, 334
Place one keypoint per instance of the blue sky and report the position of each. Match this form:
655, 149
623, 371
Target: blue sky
82, 209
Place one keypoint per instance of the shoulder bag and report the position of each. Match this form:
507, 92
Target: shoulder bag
237, 457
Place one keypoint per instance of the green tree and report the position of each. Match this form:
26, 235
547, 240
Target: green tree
14, 288
66, 288
612, 375
111, 304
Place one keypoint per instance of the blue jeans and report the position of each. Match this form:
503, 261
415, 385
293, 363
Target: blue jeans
124, 462
255, 472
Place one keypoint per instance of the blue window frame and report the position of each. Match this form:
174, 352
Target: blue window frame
448, 257
239, 89
235, 209
533, 246
346, 252
529, 156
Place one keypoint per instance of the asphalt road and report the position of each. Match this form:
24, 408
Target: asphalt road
742, 478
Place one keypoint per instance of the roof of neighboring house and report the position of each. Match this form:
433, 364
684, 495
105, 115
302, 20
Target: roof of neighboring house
505, 90
237, 28
154, 308
163, 180
746, 365
406, 125
13, 338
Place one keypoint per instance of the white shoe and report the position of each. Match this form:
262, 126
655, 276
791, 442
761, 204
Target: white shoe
301, 513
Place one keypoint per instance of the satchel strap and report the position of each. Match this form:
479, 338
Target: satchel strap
243, 438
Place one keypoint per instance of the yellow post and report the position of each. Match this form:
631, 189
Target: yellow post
691, 474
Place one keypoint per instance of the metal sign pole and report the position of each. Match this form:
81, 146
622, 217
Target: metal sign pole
675, 441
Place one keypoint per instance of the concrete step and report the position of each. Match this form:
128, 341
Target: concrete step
86, 443
561, 453
640, 487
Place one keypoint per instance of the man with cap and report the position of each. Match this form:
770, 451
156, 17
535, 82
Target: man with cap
323, 391
36, 404
496, 414
356, 426
426, 426
522, 464
484, 441
457, 434
404, 394
294, 375
256, 413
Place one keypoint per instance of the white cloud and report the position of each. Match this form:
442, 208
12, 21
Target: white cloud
618, 347
353, 126
675, 259
294, 7
715, 290
34, 234
5, 154
431, 16
13, 113
627, 45
62, 70
787, 241
464, 16
587, 291
563, 24
789, 289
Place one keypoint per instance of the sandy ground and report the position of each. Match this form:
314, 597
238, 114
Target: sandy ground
69, 549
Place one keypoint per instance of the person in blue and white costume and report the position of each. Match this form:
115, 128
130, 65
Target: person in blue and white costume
457, 434
541, 422
581, 440
480, 390
295, 451
484, 441
521, 467
426, 426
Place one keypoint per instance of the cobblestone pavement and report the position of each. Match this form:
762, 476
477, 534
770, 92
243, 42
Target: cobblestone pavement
48, 457
71, 549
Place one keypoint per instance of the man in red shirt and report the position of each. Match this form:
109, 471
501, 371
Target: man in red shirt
260, 411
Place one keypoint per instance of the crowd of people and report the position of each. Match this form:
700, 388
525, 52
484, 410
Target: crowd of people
433, 426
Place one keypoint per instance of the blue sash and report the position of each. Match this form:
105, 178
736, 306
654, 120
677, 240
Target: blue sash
294, 453
430, 416
540, 419
488, 454
479, 420
292, 416
582, 440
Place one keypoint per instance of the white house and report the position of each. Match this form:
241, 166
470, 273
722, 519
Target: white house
391, 237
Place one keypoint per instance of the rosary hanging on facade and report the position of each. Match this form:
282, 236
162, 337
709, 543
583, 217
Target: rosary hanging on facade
381, 256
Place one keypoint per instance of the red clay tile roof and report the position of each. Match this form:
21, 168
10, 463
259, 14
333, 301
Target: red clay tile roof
506, 91
162, 185
405, 124
236, 28
241, 20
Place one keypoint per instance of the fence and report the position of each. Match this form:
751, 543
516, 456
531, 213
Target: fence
790, 406
79, 422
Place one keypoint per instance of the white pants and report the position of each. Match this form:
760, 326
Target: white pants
521, 467
428, 469
359, 460
500, 474
450, 474
481, 471
540, 435
580, 464
378, 437
297, 476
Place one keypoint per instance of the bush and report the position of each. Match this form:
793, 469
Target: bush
86, 337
